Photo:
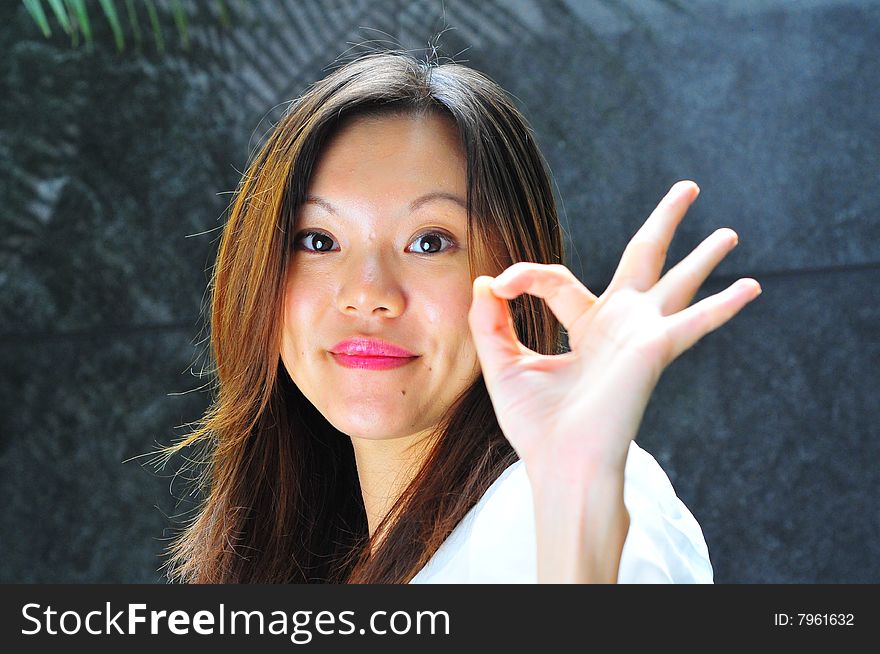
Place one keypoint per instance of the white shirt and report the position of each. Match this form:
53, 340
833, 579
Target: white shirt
495, 541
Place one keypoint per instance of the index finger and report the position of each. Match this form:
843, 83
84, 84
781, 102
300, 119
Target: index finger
564, 293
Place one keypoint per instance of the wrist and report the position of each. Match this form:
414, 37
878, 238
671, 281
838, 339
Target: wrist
575, 466
581, 523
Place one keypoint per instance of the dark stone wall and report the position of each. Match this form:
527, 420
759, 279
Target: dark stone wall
117, 170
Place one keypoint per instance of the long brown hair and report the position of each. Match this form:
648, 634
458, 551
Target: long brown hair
281, 497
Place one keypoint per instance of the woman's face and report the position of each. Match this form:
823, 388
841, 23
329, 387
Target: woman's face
381, 253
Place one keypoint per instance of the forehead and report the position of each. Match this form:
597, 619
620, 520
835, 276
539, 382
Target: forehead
413, 152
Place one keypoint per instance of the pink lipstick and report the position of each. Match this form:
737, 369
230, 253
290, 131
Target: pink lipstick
370, 354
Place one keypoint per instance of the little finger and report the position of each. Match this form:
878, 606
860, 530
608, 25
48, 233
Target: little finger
689, 325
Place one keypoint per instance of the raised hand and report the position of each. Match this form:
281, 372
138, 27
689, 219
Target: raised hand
558, 411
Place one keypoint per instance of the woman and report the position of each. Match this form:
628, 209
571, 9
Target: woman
380, 415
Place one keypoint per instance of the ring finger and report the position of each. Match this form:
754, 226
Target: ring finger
678, 286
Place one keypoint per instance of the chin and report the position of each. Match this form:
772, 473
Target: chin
371, 425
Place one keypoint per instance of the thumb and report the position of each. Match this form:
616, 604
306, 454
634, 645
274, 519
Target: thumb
492, 330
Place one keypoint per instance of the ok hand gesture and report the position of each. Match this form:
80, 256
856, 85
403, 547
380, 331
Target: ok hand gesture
560, 410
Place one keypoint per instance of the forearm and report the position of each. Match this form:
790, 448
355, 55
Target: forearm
581, 521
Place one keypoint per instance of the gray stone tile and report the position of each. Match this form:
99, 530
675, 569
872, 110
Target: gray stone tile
74, 413
120, 168
771, 108
767, 429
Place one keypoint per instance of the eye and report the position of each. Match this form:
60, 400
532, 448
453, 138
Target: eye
320, 241
428, 239
431, 242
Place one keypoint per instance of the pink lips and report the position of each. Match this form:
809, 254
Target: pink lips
370, 354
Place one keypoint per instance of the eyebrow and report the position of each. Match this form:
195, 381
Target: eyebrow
415, 204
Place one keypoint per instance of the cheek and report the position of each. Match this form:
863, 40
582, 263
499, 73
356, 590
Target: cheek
307, 288
295, 307
446, 315
300, 308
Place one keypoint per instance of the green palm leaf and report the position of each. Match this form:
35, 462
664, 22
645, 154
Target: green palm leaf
73, 18
110, 11
35, 9
60, 14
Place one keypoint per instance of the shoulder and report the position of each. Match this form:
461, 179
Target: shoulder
495, 542
665, 543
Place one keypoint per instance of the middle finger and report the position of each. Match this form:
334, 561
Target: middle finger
645, 254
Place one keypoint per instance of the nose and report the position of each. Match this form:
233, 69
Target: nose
370, 288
